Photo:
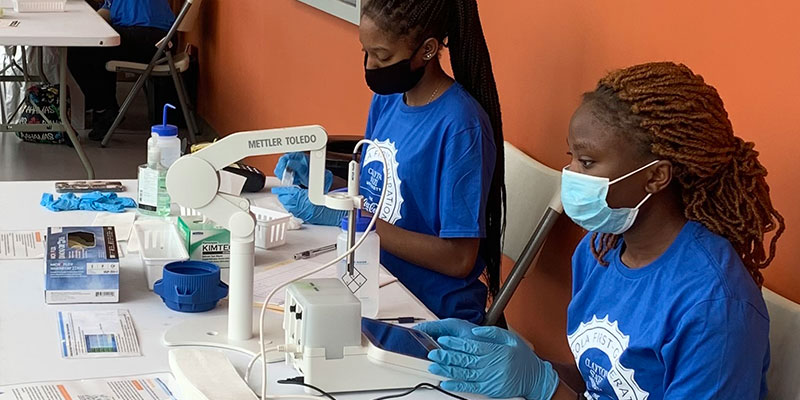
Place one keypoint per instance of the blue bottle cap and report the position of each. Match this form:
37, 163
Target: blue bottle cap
165, 129
361, 223
191, 286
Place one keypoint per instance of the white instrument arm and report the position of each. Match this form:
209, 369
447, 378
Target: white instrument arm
193, 182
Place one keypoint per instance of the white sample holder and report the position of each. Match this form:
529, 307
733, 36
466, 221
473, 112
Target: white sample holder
159, 244
271, 227
40, 5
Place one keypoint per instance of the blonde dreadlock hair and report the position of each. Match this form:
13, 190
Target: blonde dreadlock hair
672, 114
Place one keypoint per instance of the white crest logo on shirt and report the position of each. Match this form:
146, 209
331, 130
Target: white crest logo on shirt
605, 336
392, 205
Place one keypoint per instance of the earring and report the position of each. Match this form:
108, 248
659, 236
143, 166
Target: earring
428, 56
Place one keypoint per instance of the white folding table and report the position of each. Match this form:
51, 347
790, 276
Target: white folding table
29, 341
78, 26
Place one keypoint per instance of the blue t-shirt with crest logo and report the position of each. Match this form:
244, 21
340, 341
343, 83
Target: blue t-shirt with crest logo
441, 157
690, 325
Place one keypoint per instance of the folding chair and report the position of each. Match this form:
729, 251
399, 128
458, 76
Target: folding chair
533, 205
784, 347
162, 64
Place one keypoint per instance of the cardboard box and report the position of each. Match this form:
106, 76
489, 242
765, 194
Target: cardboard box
206, 241
81, 265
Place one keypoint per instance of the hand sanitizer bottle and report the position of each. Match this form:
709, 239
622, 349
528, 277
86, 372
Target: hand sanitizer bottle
153, 197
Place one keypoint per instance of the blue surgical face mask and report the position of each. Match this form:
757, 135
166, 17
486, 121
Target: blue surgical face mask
584, 200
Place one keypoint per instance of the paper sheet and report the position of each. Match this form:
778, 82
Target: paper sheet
231, 183
265, 281
142, 387
122, 223
97, 334
17, 245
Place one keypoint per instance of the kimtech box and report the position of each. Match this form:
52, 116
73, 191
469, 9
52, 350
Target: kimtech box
81, 265
205, 241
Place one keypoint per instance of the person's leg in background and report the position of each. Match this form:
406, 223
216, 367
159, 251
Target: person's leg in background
88, 66
138, 44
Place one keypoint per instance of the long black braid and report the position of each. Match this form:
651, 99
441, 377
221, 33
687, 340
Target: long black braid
459, 23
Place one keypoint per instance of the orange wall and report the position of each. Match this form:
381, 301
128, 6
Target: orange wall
280, 63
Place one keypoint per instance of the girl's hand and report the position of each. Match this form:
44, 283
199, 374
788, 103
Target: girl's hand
497, 364
298, 163
448, 327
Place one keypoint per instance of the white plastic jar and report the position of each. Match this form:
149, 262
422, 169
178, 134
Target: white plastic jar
364, 281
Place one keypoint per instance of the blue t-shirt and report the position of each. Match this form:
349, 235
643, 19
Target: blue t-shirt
441, 159
690, 325
149, 13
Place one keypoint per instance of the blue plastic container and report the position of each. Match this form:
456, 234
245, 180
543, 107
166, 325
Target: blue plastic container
191, 286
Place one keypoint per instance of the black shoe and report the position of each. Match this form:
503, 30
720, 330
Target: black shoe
101, 121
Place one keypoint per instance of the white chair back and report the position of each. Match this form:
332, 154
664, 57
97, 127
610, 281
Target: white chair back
531, 188
783, 377
533, 204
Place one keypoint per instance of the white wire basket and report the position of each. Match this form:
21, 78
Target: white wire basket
189, 212
271, 227
39, 5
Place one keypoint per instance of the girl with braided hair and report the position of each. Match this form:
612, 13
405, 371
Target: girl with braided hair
442, 221
665, 293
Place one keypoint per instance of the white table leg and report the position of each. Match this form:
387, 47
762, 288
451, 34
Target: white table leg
77, 103
62, 104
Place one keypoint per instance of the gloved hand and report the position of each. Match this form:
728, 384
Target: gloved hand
298, 162
448, 327
94, 201
498, 364
296, 201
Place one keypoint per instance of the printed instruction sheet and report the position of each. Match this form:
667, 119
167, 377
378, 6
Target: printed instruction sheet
19, 245
97, 334
144, 387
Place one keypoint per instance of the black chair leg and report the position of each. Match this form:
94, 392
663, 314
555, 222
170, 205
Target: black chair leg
125, 105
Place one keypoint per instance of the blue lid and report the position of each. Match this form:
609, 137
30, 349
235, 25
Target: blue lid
361, 223
164, 129
190, 286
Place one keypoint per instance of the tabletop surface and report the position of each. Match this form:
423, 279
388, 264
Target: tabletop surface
79, 25
29, 342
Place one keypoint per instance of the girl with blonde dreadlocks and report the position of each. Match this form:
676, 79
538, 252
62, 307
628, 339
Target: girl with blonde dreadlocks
665, 301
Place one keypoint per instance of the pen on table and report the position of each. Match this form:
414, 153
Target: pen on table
402, 320
314, 252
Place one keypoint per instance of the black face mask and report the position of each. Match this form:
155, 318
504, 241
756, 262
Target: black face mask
395, 78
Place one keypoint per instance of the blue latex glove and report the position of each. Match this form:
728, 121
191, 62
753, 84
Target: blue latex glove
497, 364
94, 201
296, 201
448, 327
298, 162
